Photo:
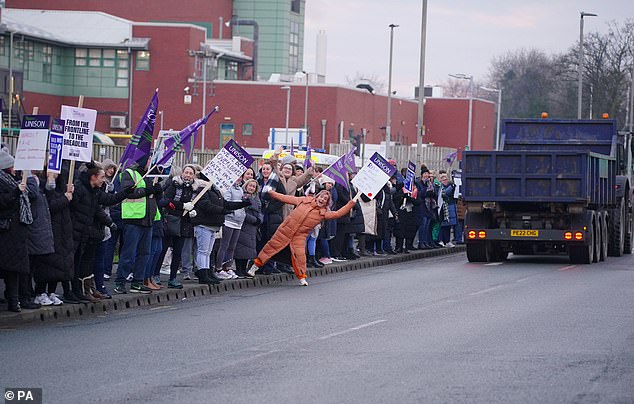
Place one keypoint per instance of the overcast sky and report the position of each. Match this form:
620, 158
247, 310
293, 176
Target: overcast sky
462, 35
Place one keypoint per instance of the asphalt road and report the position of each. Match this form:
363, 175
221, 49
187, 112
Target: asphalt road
531, 330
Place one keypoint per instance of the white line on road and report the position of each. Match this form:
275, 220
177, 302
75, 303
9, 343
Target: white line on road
567, 268
352, 329
485, 290
492, 264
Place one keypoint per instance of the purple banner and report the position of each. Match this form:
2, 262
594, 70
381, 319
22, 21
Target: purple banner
411, 176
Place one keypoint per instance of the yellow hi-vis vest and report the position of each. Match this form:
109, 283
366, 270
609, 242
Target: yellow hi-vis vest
134, 208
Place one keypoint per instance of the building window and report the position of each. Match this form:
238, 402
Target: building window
293, 51
295, 4
247, 129
142, 60
123, 68
231, 70
2, 51
109, 57
47, 63
81, 54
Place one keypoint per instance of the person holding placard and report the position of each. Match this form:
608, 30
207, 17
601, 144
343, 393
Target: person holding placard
309, 211
15, 216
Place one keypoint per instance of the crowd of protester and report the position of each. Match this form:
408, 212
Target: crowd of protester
59, 240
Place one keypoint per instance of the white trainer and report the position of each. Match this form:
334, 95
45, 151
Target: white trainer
450, 245
303, 282
232, 275
130, 277
43, 300
251, 272
55, 299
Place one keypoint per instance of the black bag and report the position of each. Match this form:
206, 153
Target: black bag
5, 225
172, 225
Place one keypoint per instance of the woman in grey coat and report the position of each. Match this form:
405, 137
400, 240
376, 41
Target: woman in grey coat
246, 247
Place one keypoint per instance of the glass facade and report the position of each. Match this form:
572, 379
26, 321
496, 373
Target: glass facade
67, 71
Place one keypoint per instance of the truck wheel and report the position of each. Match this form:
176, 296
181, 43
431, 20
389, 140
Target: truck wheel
628, 227
477, 252
604, 236
596, 255
583, 254
616, 230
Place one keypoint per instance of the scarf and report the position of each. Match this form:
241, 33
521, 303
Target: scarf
26, 216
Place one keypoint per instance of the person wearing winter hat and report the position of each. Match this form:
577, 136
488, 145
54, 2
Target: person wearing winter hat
15, 216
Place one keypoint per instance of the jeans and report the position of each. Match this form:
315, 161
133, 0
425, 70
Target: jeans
135, 252
205, 238
325, 247
458, 232
186, 255
387, 238
155, 254
227, 246
108, 249
424, 232
311, 243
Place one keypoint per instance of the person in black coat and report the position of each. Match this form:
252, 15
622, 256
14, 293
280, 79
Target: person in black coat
406, 223
89, 220
271, 210
246, 248
15, 216
58, 266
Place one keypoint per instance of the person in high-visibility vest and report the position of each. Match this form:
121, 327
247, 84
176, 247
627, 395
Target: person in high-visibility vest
138, 213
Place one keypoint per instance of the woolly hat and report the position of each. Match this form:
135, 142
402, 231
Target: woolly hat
324, 179
290, 159
107, 163
424, 170
6, 160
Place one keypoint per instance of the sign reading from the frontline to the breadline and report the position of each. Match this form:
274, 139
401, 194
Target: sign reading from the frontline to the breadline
79, 125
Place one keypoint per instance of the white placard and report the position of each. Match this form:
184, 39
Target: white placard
32, 143
373, 175
78, 132
229, 164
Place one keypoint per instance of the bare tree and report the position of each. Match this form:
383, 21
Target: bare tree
374, 80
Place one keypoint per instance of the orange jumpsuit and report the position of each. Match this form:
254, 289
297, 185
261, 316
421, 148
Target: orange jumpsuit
295, 228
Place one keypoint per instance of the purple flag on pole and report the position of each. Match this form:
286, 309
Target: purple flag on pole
141, 142
292, 148
307, 162
451, 157
339, 170
185, 139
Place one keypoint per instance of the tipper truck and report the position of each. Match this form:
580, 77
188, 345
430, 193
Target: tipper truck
555, 187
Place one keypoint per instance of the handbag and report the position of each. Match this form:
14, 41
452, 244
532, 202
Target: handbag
172, 225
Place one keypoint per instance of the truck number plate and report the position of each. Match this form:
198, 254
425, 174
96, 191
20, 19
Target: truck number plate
524, 233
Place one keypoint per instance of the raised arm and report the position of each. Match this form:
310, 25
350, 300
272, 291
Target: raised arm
344, 210
291, 200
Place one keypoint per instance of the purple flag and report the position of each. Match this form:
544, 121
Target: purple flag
307, 162
451, 157
339, 170
185, 139
292, 148
141, 142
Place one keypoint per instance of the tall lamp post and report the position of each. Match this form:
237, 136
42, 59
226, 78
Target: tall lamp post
580, 67
389, 96
288, 108
463, 76
306, 107
421, 86
497, 125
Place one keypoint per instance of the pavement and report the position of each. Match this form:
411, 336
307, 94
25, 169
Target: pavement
193, 290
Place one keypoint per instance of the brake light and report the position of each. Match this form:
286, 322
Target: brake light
482, 234
568, 235
471, 234
578, 235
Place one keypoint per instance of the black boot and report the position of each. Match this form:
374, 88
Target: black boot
204, 279
11, 291
78, 290
313, 263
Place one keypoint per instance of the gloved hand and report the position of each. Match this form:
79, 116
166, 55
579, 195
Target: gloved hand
171, 206
245, 203
266, 189
114, 227
188, 206
193, 213
129, 189
158, 189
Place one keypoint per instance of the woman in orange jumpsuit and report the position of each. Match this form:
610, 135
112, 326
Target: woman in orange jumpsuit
309, 212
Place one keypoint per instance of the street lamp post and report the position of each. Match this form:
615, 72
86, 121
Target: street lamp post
288, 108
389, 95
306, 107
161, 114
580, 67
463, 76
497, 125
421, 87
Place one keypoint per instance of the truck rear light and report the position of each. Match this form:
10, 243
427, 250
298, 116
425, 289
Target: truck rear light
568, 235
482, 234
471, 234
578, 235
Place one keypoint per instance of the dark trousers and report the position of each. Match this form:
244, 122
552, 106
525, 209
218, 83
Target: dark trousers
177, 248
11, 283
135, 252
337, 244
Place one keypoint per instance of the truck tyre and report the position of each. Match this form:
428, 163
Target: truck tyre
616, 230
628, 226
597, 237
604, 236
477, 252
583, 254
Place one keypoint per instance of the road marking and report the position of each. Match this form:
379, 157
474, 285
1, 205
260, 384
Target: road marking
480, 292
160, 308
352, 329
491, 264
567, 268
